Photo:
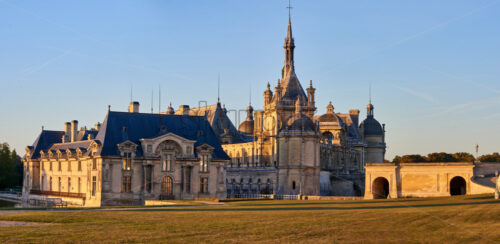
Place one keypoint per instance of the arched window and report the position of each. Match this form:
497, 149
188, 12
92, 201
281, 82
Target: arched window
167, 186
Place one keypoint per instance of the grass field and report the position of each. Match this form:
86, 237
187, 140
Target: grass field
437, 220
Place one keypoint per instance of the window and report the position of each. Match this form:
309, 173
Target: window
126, 184
79, 185
94, 164
50, 184
94, 185
79, 165
188, 179
69, 184
127, 161
59, 168
204, 185
50, 166
69, 165
204, 163
167, 162
293, 185
59, 185
43, 179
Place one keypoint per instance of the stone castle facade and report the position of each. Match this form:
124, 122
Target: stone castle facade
283, 149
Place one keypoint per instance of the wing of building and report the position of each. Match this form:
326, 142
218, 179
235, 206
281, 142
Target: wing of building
129, 159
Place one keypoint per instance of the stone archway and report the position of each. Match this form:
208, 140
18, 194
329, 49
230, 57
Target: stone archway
458, 186
380, 188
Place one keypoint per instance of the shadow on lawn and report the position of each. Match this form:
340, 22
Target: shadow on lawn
263, 208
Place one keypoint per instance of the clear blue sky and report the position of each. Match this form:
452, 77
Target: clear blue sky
433, 65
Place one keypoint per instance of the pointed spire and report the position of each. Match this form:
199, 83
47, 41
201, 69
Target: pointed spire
289, 30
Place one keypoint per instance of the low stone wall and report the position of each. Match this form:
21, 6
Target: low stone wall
157, 203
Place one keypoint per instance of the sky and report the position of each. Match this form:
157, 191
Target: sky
433, 65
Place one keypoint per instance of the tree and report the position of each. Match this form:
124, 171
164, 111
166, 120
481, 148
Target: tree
464, 157
494, 157
11, 168
412, 158
440, 157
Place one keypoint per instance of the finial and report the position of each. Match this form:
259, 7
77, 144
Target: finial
109, 108
310, 83
250, 96
218, 88
43, 127
289, 9
268, 85
370, 93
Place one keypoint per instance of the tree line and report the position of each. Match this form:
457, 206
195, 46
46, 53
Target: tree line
11, 168
446, 157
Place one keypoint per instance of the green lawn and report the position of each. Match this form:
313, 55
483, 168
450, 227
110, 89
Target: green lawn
437, 220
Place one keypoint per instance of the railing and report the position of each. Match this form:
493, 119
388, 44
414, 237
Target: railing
59, 194
264, 196
253, 196
286, 197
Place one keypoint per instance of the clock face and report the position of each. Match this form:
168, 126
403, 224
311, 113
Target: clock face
269, 123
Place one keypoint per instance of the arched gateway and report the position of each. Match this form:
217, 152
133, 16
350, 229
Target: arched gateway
458, 186
380, 188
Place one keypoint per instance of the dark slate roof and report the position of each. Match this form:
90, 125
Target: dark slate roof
71, 145
292, 88
371, 127
45, 141
218, 120
300, 121
142, 125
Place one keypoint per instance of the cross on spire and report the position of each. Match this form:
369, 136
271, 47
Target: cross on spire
289, 8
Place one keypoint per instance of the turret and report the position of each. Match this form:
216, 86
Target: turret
268, 95
310, 93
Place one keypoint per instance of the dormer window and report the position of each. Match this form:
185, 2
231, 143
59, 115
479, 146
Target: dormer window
127, 161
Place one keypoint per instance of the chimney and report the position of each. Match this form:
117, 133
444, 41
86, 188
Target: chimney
74, 130
184, 109
67, 132
354, 113
133, 107
97, 126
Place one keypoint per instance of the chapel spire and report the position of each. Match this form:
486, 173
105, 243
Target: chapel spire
289, 46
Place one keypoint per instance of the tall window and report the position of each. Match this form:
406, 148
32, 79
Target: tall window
188, 179
59, 185
167, 162
69, 184
43, 179
204, 163
50, 184
79, 185
94, 164
94, 185
126, 183
59, 168
79, 165
50, 165
204, 185
127, 161
69, 165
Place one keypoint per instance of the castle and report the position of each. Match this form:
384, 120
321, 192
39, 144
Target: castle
283, 149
